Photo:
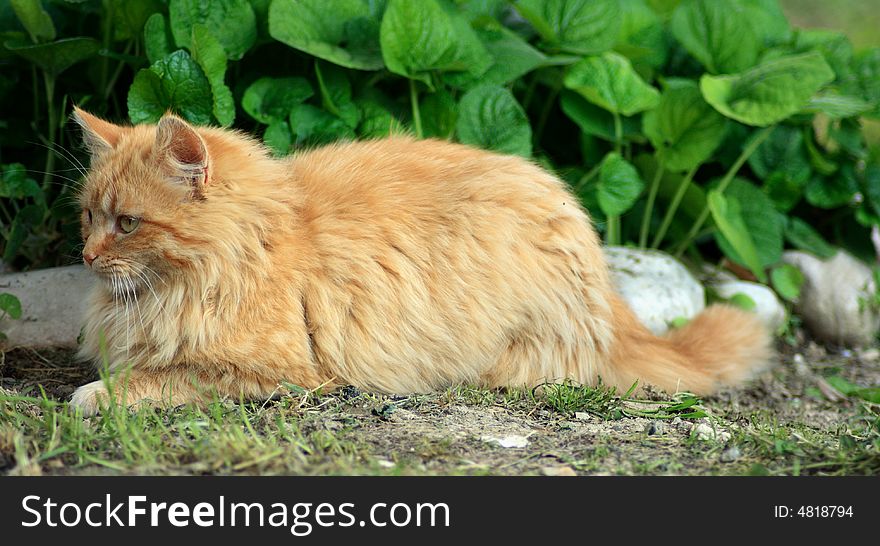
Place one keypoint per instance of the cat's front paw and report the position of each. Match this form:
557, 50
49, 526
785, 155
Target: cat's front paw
89, 398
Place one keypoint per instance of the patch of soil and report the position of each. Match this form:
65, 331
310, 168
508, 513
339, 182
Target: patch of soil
55, 370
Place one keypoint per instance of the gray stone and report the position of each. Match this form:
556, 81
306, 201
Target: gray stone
835, 298
767, 304
657, 287
52, 304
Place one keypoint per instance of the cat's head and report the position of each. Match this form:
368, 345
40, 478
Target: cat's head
145, 181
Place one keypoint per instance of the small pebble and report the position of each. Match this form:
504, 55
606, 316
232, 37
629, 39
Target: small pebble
702, 431
655, 428
730, 454
870, 355
509, 441
800, 364
582, 416
558, 471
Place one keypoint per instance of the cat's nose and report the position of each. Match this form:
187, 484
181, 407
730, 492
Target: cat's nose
89, 257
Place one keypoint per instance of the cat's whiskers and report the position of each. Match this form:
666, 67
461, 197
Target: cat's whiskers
67, 155
149, 286
115, 290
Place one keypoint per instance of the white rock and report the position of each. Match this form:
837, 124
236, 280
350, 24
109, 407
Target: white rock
52, 305
511, 440
767, 305
558, 471
657, 287
832, 300
706, 432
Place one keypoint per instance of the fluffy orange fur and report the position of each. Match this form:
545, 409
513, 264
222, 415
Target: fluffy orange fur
395, 265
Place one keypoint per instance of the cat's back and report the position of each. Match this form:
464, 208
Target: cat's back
424, 184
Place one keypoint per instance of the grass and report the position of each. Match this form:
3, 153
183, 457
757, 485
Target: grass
780, 425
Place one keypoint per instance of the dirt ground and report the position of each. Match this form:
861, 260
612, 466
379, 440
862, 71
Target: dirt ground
791, 420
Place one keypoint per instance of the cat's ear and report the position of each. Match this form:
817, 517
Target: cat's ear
99, 136
182, 152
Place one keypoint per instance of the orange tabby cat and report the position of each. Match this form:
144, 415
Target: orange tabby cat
394, 265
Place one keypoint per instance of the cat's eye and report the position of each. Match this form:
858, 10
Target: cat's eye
89, 215
127, 224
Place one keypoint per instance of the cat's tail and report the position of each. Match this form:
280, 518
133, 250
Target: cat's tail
721, 346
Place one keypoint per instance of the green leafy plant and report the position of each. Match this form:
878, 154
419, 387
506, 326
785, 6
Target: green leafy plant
10, 306
711, 128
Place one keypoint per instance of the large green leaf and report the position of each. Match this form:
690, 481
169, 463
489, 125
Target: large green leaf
771, 91
421, 36
594, 120
787, 280
763, 223
208, 52
575, 26
311, 125
56, 57
643, 37
232, 22
835, 47
270, 99
609, 81
158, 41
619, 185
683, 128
34, 19
130, 17
336, 94
512, 56
490, 117
277, 137
376, 121
10, 305
729, 219
174, 83
834, 191
837, 106
343, 32
25, 220
784, 152
768, 21
802, 236
867, 73
718, 33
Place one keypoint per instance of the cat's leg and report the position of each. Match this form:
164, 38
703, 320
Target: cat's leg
137, 387
166, 389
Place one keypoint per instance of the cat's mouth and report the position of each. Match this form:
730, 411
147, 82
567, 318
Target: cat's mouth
122, 281
119, 284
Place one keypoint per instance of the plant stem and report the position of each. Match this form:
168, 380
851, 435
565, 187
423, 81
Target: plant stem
530, 91
728, 177
105, 42
545, 114
673, 207
116, 73
612, 230
49, 80
618, 132
414, 100
612, 225
585, 179
649, 206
